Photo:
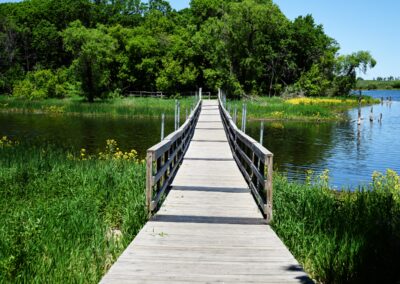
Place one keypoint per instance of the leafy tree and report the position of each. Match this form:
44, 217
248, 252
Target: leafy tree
94, 52
346, 67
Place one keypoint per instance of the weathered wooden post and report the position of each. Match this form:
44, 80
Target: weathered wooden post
162, 126
371, 114
241, 127
359, 109
178, 119
235, 115
200, 93
268, 188
244, 118
149, 181
261, 132
176, 113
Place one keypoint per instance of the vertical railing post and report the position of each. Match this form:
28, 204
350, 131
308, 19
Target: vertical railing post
268, 188
262, 132
179, 115
149, 181
162, 126
235, 115
176, 111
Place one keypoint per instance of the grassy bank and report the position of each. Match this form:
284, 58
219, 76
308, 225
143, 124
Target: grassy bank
112, 107
66, 217
378, 85
309, 109
348, 237
276, 108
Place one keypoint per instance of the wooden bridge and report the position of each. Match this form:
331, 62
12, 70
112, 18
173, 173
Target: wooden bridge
213, 225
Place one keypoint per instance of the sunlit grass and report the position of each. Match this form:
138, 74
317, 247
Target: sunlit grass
346, 237
309, 109
66, 220
112, 107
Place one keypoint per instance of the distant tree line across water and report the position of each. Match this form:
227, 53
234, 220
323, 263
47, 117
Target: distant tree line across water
101, 48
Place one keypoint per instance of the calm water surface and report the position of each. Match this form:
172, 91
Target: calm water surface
350, 152
85, 132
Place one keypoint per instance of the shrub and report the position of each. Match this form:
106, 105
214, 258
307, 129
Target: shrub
42, 84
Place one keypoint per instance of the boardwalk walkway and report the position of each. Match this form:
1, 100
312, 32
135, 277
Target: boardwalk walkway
209, 229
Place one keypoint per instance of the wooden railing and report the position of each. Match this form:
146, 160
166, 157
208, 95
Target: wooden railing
254, 161
163, 159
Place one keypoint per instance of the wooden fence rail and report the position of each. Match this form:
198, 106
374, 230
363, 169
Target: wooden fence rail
163, 159
254, 161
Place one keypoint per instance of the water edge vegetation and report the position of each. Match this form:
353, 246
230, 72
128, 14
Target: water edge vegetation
63, 218
263, 108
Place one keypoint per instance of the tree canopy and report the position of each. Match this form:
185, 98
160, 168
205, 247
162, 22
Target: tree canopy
101, 47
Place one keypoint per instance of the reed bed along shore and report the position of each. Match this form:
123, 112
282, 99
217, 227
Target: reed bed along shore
341, 237
150, 107
263, 108
66, 217
301, 109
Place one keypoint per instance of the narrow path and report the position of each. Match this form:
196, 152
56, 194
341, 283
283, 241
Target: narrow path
209, 229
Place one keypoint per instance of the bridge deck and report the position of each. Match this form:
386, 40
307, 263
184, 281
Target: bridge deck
209, 228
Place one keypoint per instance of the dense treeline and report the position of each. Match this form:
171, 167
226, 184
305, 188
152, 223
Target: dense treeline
102, 48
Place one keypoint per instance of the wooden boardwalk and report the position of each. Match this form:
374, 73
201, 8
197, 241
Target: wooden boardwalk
209, 229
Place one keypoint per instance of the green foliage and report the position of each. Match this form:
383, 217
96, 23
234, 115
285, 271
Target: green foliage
118, 106
378, 84
65, 220
94, 51
42, 84
313, 82
345, 69
341, 237
246, 47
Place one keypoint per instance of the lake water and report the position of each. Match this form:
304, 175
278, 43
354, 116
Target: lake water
350, 152
86, 132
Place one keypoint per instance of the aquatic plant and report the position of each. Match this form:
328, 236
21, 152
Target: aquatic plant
63, 220
341, 237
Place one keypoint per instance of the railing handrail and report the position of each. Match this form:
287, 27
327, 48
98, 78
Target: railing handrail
254, 161
163, 159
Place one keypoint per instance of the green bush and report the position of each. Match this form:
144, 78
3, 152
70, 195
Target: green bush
42, 84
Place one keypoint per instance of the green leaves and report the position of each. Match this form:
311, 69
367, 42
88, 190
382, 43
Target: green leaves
94, 52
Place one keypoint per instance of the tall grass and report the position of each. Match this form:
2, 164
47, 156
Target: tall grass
310, 109
346, 237
65, 220
112, 107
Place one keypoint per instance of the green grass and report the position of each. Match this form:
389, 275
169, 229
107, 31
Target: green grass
347, 237
315, 109
378, 85
112, 107
65, 220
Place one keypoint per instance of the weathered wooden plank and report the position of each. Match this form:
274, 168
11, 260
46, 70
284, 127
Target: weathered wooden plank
209, 229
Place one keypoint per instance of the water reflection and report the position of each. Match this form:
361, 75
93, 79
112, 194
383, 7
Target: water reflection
86, 132
350, 151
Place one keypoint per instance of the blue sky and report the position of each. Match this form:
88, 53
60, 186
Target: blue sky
356, 25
